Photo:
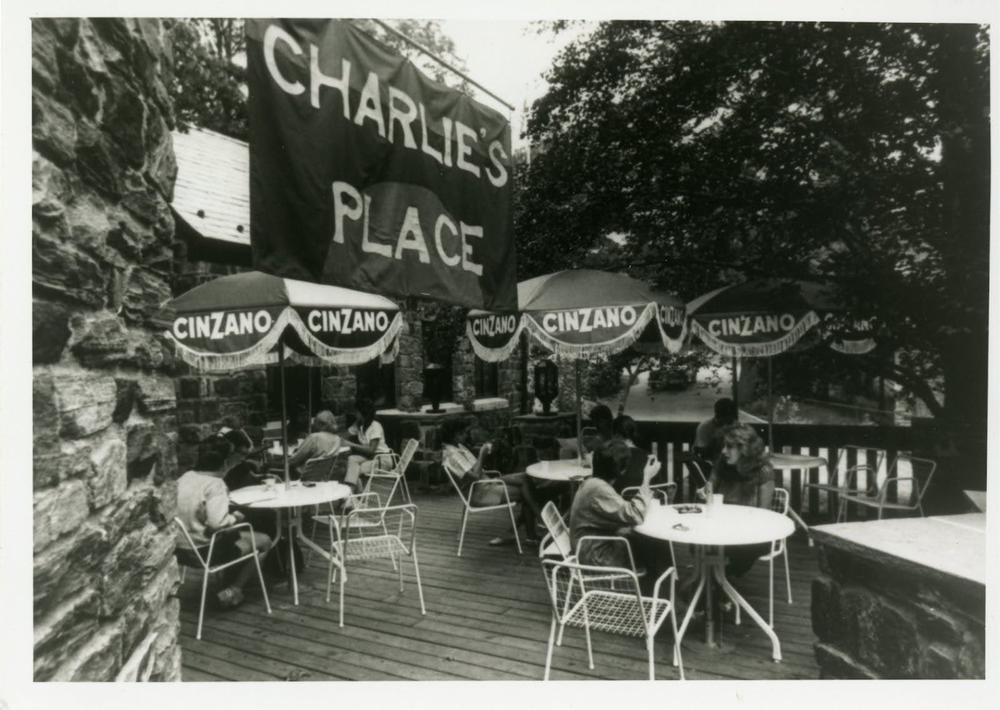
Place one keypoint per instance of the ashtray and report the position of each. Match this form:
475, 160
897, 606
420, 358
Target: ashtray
684, 509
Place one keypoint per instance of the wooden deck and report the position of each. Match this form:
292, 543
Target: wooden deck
487, 618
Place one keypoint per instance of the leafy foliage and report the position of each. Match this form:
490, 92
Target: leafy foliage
853, 153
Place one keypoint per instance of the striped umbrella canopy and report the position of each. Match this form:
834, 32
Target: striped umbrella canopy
253, 318
580, 313
766, 317
237, 321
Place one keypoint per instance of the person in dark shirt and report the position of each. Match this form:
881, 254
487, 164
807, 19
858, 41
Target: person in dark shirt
708, 437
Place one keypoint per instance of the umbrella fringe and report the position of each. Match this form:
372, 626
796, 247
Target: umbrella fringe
389, 355
495, 354
339, 356
774, 347
673, 345
254, 355
589, 350
853, 347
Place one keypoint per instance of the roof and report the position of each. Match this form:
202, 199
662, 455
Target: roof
212, 192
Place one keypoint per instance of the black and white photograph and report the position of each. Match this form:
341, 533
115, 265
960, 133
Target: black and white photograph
639, 343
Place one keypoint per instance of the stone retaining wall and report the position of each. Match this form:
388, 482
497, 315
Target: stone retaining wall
104, 408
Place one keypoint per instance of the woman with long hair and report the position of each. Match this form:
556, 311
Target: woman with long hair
743, 475
368, 448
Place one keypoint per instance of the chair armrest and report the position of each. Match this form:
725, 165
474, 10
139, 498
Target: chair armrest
490, 480
228, 528
850, 473
672, 574
609, 538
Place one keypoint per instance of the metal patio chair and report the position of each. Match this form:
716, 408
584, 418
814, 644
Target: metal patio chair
778, 549
398, 469
372, 533
664, 492
834, 484
470, 509
922, 470
595, 598
201, 558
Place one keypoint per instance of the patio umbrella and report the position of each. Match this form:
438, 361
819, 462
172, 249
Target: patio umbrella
766, 317
581, 313
254, 318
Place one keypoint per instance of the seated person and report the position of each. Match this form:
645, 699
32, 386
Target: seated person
203, 507
368, 447
626, 431
467, 468
240, 471
708, 436
599, 510
602, 420
322, 442
743, 475
298, 424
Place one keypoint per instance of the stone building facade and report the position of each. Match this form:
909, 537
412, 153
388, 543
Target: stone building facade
105, 413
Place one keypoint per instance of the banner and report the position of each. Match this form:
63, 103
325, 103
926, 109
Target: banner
365, 173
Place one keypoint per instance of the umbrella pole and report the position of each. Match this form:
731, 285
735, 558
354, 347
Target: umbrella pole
770, 403
284, 416
309, 391
579, 406
735, 383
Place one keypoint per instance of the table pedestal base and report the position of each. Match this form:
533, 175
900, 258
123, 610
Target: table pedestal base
712, 565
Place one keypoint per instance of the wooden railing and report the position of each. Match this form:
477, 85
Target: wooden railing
673, 440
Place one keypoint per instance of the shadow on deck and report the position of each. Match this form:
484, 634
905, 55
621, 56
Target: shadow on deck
487, 618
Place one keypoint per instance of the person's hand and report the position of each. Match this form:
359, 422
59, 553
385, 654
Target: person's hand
486, 449
239, 516
701, 494
652, 468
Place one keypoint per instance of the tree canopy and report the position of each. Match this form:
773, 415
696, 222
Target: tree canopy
713, 152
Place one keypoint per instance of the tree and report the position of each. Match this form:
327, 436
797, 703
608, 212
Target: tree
855, 153
208, 86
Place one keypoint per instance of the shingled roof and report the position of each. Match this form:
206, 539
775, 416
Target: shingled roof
212, 192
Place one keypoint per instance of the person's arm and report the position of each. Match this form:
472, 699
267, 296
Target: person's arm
304, 453
613, 508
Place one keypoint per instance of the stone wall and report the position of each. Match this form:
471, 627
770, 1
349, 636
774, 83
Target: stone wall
876, 617
104, 409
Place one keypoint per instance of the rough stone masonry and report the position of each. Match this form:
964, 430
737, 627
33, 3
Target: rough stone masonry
104, 406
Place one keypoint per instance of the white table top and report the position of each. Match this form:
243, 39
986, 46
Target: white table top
298, 495
786, 462
277, 451
563, 470
724, 525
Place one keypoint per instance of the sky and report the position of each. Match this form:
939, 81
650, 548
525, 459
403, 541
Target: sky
508, 57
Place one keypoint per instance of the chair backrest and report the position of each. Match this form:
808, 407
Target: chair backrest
379, 522
779, 504
844, 452
385, 485
611, 594
557, 527
319, 468
191, 547
408, 451
922, 470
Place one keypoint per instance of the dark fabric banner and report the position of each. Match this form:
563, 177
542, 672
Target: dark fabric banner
365, 173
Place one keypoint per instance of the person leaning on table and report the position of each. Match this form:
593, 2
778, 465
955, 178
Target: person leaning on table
743, 475
203, 507
368, 447
599, 510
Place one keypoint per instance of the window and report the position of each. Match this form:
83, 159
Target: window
377, 382
487, 379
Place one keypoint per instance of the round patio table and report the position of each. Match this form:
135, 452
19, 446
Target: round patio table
797, 462
565, 470
293, 500
710, 532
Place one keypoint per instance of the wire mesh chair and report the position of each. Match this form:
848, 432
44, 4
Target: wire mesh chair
834, 484
922, 472
197, 557
595, 598
319, 468
402, 462
664, 492
779, 505
470, 509
372, 533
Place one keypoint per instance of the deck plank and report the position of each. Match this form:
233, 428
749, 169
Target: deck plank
488, 615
